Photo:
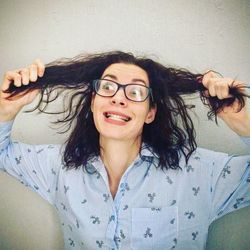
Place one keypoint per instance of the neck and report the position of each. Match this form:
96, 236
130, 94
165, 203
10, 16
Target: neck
117, 156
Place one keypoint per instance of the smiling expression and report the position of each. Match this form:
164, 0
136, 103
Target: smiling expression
117, 117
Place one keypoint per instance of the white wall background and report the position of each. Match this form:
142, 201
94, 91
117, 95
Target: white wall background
195, 34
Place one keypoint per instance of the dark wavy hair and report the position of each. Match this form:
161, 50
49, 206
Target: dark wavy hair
169, 136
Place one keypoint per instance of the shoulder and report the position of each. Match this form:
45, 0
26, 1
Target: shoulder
203, 157
205, 153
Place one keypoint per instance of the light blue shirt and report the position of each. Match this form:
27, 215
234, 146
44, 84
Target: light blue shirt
152, 209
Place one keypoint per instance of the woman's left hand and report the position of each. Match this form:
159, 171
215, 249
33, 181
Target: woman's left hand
239, 122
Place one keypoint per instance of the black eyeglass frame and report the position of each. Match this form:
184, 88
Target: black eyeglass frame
123, 86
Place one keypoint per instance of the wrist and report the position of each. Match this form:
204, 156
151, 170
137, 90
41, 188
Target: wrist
243, 128
6, 117
240, 124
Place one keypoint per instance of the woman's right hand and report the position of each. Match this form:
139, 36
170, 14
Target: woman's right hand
10, 108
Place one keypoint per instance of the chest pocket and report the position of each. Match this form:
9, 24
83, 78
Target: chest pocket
154, 228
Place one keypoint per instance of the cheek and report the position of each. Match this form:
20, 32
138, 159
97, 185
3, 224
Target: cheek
144, 114
96, 104
94, 109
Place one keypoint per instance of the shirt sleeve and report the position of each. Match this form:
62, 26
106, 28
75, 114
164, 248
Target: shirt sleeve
246, 140
230, 183
36, 166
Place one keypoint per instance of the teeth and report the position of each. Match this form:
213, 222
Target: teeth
117, 117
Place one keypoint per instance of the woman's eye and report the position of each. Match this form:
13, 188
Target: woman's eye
107, 86
135, 92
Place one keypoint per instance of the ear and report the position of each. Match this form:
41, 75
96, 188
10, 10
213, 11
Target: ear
151, 115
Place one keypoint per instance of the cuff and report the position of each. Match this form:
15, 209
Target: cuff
5, 131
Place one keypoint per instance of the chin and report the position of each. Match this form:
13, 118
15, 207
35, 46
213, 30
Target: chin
117, 132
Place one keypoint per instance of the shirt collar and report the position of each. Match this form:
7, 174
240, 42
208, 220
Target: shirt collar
147, 151
146, 154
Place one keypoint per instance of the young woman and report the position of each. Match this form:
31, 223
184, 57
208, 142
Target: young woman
130, 175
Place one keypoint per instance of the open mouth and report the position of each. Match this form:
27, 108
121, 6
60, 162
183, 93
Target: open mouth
117, 117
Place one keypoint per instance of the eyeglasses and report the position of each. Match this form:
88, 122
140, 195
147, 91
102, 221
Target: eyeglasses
133, 92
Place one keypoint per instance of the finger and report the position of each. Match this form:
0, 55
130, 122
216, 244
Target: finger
219, 87
26, 97
40, 67
211, 86
207, 77
25, 74
33, 72
11, 77
222, 91
17, 80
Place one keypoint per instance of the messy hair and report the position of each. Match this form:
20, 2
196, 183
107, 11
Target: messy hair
170, 135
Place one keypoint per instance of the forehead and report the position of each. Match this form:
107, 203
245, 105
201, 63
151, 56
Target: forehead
126, 72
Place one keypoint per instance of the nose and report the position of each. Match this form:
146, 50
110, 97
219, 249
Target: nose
119, 98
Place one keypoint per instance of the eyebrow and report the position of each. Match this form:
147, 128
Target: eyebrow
133, 80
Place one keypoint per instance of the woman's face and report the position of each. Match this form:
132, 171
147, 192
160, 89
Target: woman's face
117, 117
